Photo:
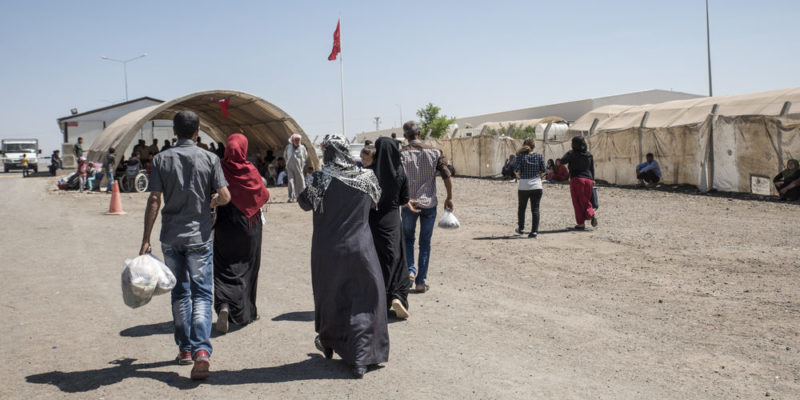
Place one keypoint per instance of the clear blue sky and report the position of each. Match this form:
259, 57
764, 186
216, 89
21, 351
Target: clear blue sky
469, 57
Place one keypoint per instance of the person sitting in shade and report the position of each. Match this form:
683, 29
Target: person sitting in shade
648, 171
787, 182
91, 175
550, 166
560, 172
508, 169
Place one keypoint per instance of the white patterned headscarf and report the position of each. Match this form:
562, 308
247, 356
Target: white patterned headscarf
339, 164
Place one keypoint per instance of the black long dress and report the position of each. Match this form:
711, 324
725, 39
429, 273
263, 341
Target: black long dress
349, 295
387, 233
237, 260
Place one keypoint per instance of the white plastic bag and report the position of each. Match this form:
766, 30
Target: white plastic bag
167, 281
448, 221
143, 277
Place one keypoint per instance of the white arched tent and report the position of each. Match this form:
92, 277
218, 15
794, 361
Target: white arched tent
266, 126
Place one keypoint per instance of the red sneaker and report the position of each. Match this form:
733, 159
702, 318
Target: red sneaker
184, 358
201, 365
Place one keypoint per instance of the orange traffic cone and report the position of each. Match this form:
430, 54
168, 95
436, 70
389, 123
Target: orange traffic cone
115, 208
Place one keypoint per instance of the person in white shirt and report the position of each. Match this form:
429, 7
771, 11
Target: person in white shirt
296, 156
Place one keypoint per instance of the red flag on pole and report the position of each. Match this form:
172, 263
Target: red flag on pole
337, 45
223, 106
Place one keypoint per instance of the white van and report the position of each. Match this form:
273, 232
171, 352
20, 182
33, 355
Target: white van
13, 150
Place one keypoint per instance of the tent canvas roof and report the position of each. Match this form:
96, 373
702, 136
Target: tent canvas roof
265, 125
519, 123
689, 112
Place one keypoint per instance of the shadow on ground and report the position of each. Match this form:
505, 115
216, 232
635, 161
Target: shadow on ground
525, 236
313, 368
296, 316
166, 328
161, 328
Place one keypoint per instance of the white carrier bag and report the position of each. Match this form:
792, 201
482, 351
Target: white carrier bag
448, 221
142, 278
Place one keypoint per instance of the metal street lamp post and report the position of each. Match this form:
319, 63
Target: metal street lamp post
708, 49
125, 68
401, 114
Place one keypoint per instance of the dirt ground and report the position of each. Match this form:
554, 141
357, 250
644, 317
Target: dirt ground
673, 296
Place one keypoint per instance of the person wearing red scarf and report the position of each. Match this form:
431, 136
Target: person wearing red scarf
237, 238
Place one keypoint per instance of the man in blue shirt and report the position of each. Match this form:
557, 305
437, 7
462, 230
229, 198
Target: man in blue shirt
191, 182
648, 171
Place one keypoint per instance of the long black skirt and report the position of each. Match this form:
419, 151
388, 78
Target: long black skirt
387, 234
237, 259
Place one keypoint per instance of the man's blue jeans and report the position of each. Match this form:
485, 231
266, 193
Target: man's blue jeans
427, 218
110, 176
193, 267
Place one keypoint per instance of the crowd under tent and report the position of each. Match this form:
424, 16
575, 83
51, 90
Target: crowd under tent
731, 143
266, 126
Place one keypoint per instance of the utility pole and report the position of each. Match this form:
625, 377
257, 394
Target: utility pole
377, 123
401, 114
708, 47
124, 68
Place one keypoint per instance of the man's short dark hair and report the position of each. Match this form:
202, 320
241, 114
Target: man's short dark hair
185, 124
394, 135
111, 150
80, 138
649, 155
411, 129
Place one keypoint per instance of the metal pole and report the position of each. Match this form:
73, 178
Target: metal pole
341, 73
125, 72
124, 68
401, 114
708, 46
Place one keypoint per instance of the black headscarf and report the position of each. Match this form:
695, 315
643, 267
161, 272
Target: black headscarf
387, 166
338, 164
579, 144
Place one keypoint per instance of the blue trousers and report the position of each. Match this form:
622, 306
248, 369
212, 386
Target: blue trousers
427, 219
192, 298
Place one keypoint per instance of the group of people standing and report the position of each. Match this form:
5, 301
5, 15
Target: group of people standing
362, 250
530, 170
361, 253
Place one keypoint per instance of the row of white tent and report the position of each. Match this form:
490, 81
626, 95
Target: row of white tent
729, 143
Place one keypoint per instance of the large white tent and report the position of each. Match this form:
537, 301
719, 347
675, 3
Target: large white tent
727, 143
265, 125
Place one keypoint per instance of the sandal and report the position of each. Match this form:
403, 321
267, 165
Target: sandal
422, 288
326, 351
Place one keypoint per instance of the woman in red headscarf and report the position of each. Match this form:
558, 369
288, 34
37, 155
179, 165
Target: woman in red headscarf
237, 238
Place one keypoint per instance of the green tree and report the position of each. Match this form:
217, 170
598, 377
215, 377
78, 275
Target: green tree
433, 124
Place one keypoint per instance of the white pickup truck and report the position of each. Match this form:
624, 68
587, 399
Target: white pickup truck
13, 150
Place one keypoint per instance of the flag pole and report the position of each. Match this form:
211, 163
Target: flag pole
341, 75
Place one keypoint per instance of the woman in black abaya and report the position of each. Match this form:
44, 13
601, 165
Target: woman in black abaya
349, 293
237, 238
387, 231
